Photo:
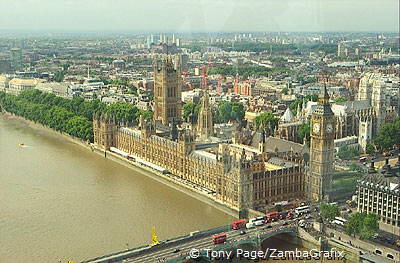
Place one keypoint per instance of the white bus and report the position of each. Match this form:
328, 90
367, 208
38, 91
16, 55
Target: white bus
301, 210
339, 221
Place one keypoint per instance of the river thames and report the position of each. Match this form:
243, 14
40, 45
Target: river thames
59, 201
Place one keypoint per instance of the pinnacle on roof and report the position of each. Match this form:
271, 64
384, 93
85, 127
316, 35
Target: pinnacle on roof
287, 116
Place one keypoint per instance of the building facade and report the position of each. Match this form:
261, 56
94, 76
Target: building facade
379, 193
241, 177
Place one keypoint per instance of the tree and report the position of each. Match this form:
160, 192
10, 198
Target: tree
188, 108
329, 211
356, 167
347, 153
285, 90
229, 111
354, 223
266, 121
369, 148
294, 104
389, 136
340, 99
304, 131
59, 76
363, 224
148, 115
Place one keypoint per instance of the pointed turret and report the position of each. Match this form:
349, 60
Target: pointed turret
205, 125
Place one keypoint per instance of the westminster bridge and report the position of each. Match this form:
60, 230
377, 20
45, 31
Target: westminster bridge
181, 249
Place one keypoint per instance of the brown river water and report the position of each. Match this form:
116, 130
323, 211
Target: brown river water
59, 201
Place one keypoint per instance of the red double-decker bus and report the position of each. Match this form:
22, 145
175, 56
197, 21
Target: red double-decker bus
238, 224
219, 239
272, 216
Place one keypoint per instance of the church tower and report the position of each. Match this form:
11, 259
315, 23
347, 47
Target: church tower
205, 127
319, 179
167, 91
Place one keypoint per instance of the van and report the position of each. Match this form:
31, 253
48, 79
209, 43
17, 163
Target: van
250, 225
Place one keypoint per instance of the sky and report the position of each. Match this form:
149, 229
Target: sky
199, 15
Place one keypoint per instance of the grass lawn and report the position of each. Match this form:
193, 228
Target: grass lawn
346, 180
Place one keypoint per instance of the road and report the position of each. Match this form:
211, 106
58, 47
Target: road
201, 244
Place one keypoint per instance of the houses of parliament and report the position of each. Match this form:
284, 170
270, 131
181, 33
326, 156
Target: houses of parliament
249, 172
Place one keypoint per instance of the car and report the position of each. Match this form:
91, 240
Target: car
176, 250
242, 233
259, 223
269, 226
285, 223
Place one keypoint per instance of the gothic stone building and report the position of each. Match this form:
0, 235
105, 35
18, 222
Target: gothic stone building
242, 177
167, 90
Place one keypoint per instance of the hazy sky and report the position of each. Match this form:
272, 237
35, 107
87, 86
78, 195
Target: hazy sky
200, 15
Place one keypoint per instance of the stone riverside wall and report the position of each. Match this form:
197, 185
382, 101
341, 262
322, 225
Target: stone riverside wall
361, 245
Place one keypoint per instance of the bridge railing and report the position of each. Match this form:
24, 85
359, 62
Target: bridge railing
134, 252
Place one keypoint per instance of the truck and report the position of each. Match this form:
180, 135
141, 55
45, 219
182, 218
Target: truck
219, 239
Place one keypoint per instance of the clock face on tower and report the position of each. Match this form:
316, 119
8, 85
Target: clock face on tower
329, 128
316, 127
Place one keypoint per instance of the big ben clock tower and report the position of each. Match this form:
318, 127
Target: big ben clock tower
319, 179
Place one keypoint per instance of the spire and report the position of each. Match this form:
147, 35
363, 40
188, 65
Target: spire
324, 98
298, 114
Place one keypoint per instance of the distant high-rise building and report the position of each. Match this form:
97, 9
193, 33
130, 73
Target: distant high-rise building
148, 42
178, 42
341, 50
357, 52
167, 91
184, 59
16, 59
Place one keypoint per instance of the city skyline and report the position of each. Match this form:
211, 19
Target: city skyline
201, 16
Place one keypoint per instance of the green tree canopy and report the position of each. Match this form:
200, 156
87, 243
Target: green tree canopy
266, 121
369, 148
188, 108
304, 131
329, 211
340, 99
295, 104
389, 136
59, 76
229, 111
363, 224
347, 153
62, 114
